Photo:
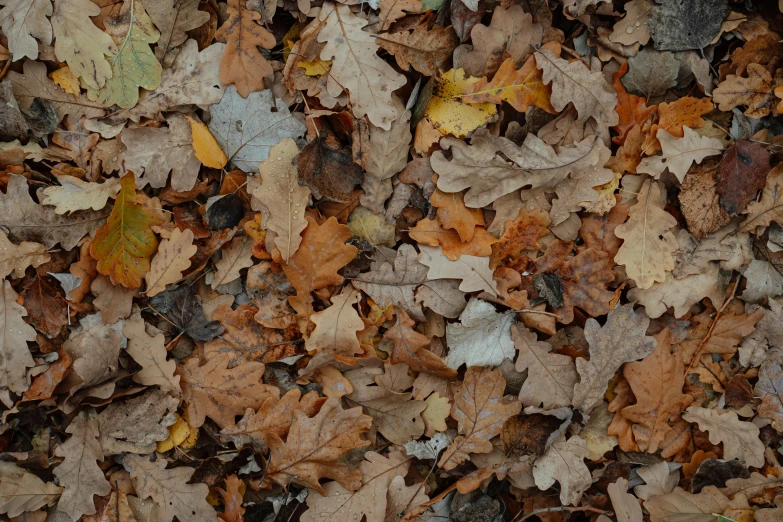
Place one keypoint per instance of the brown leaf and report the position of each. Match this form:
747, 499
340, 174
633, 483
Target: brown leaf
598, 231
480, 410
427, 51
315, 445
756, 91
214, 391
44, 384
150, 353
431, 232
529, 434
550, 376
741, 174
329, 172
672, 117
410, 347
770, 389
46, 306
520, 235
700, 202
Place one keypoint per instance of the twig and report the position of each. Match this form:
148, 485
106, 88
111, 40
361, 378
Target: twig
570, 509
712, 327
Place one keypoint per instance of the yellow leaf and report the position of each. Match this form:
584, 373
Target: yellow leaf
124, 245
315, 67
207, 149
66, 79
449, 114
181, 435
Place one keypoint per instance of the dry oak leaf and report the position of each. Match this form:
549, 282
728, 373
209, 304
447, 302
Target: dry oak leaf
328, 171
742, 172
245, 340
728, 332
550, 376
656, 382
115, 302
672, 117
396, 415
625, 505
474, 272
620, 340
564, 462
278, 189
24, 21
243, 64
247, 128
274, 416
679, 153
150, 353
124, 245
44, 384
173, 20
392, 10
573, 82
481, 338
386, 155
314, 266
232, 498
584, 278
26, 220
521, 88
770, 207
16, 333
21, 491
700, 202
659, 480
768, 333
174, 496
521, 235
336, 329
632, 110
452, 213
79, 473
220, 393
16, 258
171, 260
430, 232
482, 166
480, 411
449, 114
74, 194
410, 347
427, 51
770, 388
740, 439
649, 245
80, 43
138, 424
338, 503
235, 257
756, 91
633, 28
681, 294
681, 505
356, 67
598, 231
314, 447
45, 302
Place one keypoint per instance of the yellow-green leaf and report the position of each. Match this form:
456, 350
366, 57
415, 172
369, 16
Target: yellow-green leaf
134, 65
125, 244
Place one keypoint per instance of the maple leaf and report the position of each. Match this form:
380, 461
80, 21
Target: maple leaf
169, 488
550, 376
622, 339
410, 348
214, 391
356, 67
425, 50
314, 445
22, 491
314, 266
480, 410
124, 245
648, 243
564, 462
79, 473
740, 439
247, 128
174, 19
274, 416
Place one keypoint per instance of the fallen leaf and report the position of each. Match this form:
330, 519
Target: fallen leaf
170, 261
474, 272
24, 491
46, 306
700, 202
24, 22
114, 302
550, 376
626, 507
410, 347
74, 194
451, 115
742, 172
16, 258
183, 309
756, 91
150, 353
336, 328
174, 20
633, 28
236, 256
425, 50
329, 173
564, 462
206, 148
481, 338
679, 153
740, 439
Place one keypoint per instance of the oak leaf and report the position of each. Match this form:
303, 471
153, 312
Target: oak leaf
449, 114
550, 376
138, 424
699, 200
150, 353
564, 462
336, 328
770, 389
124, 245
74, 194
386, 155
426, 51
236, 256
729, 330
169, 488
680, 294
452, 213
520, 235
46, 306
680, 504
622, 339
24, 21
183, 309
659, 480
480, 411
356, 67
214, 391
115, 302
473, 271
430, 232
328, 171
632, 110
625, 505
22, 491
16, 356
648, 247
243, 64
170, 261
410, 347
756, 91
598, 231
633, 28
173, 20
314, 446
672, 117
770, 207
679, 153
16, 258
740, 439
481, 338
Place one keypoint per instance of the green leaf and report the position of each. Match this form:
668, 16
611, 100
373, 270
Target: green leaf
134, 65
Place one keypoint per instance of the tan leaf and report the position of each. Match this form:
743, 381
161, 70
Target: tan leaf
150, 353
481, 338
219, 393
620, 340
679, 153
279, 191
564, 462
770, 389
336, 328
633, 28
473, 271
74, 194
480, 411
24, 21
658, 480
740, 439
173, 20
113, 301
435, 414
314, 446
387, 155
17, 333
647, 251
172, 258
137, 425
170, 490
22, 491
681, 505
356, 67
625, 505
550, 376
424, 50
756, 91
16, 258
392, 10
410, 347
236, 256
680, 294
79, 472
770, 207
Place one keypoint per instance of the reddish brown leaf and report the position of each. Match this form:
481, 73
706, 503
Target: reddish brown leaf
741, 174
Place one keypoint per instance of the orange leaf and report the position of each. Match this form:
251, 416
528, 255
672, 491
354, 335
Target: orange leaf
632, 109
430, 232
520, 235
673, 116
410, 347
124, 245
521, 88
453, 213
232, 500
